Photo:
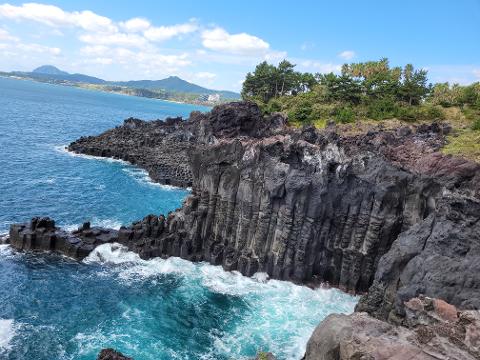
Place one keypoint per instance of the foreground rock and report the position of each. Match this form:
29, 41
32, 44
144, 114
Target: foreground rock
435, 330
41, 234
110, 354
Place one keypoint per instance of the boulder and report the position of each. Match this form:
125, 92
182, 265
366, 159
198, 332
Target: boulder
430, 335
111, 354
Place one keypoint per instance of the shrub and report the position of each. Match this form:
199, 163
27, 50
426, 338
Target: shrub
345, 115
429, 112
476, 125
273, 105
382, 109
323, 111
301, 112
407, 113
421, 112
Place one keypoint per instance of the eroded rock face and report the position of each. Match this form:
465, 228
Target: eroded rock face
438, 257
296, 210
435, 330
301, 205
162, 147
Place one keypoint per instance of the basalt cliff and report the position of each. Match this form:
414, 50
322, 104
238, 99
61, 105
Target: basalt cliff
382, 213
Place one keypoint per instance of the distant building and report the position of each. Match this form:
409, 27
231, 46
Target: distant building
214, 98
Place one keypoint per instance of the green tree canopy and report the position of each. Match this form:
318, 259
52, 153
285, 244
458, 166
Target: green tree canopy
269, 81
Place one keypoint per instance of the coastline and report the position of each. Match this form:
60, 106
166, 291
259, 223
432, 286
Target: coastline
82, 86
359, 213
148, 179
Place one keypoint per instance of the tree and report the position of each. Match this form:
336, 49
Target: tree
286, 77
262, 84
377, 78
342, 88
414, 86
269, 81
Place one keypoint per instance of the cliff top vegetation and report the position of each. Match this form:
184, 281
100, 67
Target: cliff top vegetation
366, 93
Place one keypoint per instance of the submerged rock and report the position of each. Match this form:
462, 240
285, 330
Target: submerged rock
111, 354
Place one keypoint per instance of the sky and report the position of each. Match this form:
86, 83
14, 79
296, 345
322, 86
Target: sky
215, 43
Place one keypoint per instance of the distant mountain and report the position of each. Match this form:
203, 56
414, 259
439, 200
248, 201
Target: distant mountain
174, 83
171, 84
52, 73
49, 70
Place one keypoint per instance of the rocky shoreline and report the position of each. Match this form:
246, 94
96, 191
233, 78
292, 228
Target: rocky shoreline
383, 212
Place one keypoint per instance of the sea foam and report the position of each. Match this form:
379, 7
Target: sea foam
140, 175
7, 332
282, 315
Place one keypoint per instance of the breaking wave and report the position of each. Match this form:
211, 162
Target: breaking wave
281, 315
140, 175
7, 332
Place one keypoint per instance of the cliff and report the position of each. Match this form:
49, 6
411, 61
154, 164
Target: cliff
383, 212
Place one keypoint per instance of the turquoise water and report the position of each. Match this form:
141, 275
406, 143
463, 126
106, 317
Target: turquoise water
55, 308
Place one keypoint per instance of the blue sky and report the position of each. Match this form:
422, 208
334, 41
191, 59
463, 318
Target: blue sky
214, 43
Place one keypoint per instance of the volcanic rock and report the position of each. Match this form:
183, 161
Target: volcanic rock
41, 234
111, 354
429, 335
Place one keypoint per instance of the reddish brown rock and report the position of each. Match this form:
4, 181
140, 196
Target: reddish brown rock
427, 335
445, 311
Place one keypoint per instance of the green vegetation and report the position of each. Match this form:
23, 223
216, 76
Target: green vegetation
366, 92
372, 90
148, 93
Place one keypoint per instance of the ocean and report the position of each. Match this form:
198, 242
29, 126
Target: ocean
52, 307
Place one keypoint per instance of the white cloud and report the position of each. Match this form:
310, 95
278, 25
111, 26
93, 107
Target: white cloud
119, 39
26, 49
101, 61
205, 75
146, 61
129, 47
162, 33
5, 36
203, 78
15, 46
476, 73
275, 56
347, 54
38, 48
317, 66
96, 50
239, 44
54, 16
135, 25
307, 45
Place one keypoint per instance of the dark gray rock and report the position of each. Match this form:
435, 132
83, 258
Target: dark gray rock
41, 234
438, 257
111, 354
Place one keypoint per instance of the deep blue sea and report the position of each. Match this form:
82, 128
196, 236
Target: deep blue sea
52, 307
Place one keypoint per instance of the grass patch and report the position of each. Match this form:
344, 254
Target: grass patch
465, 143
319, 124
